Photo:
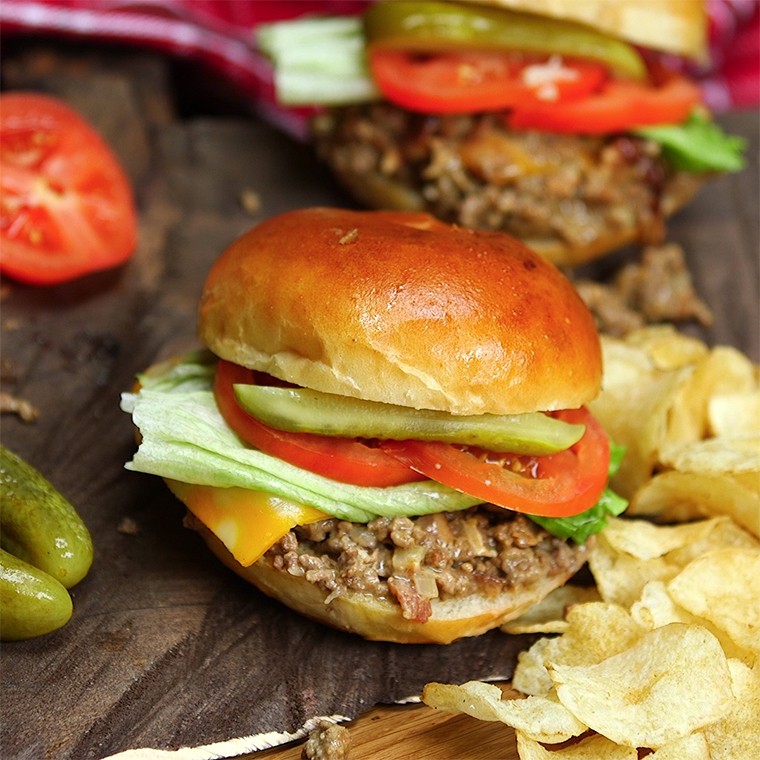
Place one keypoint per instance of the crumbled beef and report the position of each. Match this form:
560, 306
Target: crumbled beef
473, 171
659, 288
411, 560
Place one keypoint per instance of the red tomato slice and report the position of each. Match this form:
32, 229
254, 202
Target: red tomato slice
66, 207
619, 106
557, 485
468, 82
343, 459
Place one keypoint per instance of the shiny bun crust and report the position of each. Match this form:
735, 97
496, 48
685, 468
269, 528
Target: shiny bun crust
673, 26
381, 620
401, 308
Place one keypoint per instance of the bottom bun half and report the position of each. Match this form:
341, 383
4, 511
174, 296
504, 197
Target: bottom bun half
381, 619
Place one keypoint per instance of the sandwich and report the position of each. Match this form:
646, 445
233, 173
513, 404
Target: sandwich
385, 428
573, 126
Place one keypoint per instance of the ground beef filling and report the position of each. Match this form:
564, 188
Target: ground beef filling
413, 560
473, 171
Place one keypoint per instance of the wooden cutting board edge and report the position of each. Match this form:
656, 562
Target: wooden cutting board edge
417, 732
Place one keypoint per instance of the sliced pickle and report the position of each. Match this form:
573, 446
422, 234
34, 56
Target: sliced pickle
447, 27
302, 410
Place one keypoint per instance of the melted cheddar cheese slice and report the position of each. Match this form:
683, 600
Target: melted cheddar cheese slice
246, 522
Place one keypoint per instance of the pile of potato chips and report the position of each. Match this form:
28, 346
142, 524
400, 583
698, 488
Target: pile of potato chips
689, 417
661, 658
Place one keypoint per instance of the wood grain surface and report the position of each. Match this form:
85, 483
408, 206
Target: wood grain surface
417, 732
166, 648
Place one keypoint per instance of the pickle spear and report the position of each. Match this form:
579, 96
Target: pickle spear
32, 602
444, 27
302, 410
39, 525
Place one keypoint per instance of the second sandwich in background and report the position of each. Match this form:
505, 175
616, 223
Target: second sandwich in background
570, 125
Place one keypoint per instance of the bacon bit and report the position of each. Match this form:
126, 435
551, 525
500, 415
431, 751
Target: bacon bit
414, 606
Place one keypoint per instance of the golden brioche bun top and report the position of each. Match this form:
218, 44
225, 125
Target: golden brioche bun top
673, 26
401, 308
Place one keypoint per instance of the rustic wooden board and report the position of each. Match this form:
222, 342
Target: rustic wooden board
166, 647
417, 733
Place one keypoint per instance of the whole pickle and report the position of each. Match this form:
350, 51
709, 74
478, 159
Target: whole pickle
38, 525
32, 603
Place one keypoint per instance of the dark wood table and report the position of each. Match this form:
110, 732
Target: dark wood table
166, 647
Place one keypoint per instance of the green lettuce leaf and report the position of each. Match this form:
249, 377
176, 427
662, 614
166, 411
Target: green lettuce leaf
185, 438
698, 145
580, 527
318, 61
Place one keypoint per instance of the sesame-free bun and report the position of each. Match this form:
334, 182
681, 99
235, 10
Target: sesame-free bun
673, 26
380, 619
401, 308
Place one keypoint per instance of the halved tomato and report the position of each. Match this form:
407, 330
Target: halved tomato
344, 459
66, 207
556, 485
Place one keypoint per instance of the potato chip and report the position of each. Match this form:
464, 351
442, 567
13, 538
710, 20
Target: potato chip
625, 366
548, 616
690, 747
543, 719
677, 496
737, 735
531, 675
628, 554
724, 370
595, 631
657, 608
646, 696
636, 416
621, 577
723, 587
722, 533
715, 456
663, 392
643, 540
667, 348
591, 748
734, 415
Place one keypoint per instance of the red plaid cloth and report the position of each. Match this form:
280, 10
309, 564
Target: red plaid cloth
732, 79
220, 33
